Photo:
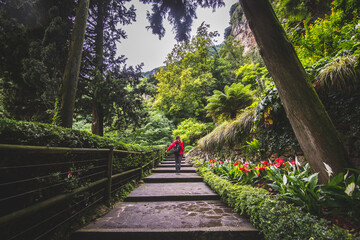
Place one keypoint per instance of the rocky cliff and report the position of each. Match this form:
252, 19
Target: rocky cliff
242, 32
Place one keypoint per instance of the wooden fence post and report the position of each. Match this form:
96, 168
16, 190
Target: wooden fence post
109, 176
142, 168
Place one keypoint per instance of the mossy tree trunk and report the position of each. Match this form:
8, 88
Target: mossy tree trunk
65, 102
97, 126
312, 125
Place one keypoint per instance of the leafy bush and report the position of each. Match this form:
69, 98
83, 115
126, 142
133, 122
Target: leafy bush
297, 186
188, 149
41, 134
326, 37
191, 130
268, 108
226, 105
156, 131
340, 74
275, 218
229, 133
343, 194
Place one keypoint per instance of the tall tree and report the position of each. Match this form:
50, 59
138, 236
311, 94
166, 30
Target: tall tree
64, 106
103, 72
34, 36
180, 14
312, 125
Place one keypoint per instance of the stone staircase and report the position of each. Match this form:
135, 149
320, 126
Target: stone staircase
170, 206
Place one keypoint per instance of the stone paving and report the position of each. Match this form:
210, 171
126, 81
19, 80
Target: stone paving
172, 207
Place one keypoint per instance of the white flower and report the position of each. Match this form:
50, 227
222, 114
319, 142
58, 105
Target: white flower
328, 170
350, 189
297, 163
284, 179
346, 175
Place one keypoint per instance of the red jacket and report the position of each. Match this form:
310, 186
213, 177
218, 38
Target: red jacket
173, 145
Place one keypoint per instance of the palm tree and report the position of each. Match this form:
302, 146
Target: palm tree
226, 105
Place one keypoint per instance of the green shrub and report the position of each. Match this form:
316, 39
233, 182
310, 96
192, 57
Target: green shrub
190, 130
340, 74
188, 148
229, 133
41, 134
275, 218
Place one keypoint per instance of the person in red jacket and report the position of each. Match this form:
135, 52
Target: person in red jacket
178, 146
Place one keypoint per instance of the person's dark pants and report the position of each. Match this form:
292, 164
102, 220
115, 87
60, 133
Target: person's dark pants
178, 163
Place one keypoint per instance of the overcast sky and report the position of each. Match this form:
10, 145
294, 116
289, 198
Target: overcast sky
142, 46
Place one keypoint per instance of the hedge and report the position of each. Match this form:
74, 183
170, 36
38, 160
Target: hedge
275, 218
41, 134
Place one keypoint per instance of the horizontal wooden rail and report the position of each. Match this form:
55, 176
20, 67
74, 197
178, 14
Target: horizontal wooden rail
47, 204
44, 149
105, 183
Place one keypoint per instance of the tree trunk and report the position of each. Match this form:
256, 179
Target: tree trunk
312, 125
97, 126
65, 101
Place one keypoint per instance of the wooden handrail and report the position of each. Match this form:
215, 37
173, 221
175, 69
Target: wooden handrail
105, 183
47, 149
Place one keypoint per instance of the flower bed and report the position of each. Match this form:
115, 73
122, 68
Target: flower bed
273, 214
274, 217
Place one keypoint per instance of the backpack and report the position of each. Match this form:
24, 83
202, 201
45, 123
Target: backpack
177, 149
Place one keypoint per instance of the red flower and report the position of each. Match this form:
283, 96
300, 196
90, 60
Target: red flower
246, 164
241, 168
278, 160
277, 165
237, 163
292, 162
264, 162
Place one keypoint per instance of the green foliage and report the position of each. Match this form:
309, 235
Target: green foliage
236, 13
226, 105
188, 149
341, 74
256, 76
297, 186
269, 106
34, 38
292, 12
326, 37
191, 130
41, 134
343, 194
229, 133
253, 147
155, 129
192, 73
232, 52
275, 218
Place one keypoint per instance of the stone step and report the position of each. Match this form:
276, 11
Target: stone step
178, 220
166, 165
172, 170
173, 162
189, 191
172, 177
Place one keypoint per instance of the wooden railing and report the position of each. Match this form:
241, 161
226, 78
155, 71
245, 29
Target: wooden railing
42, 189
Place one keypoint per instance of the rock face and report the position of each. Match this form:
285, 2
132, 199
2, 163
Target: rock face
242, 32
